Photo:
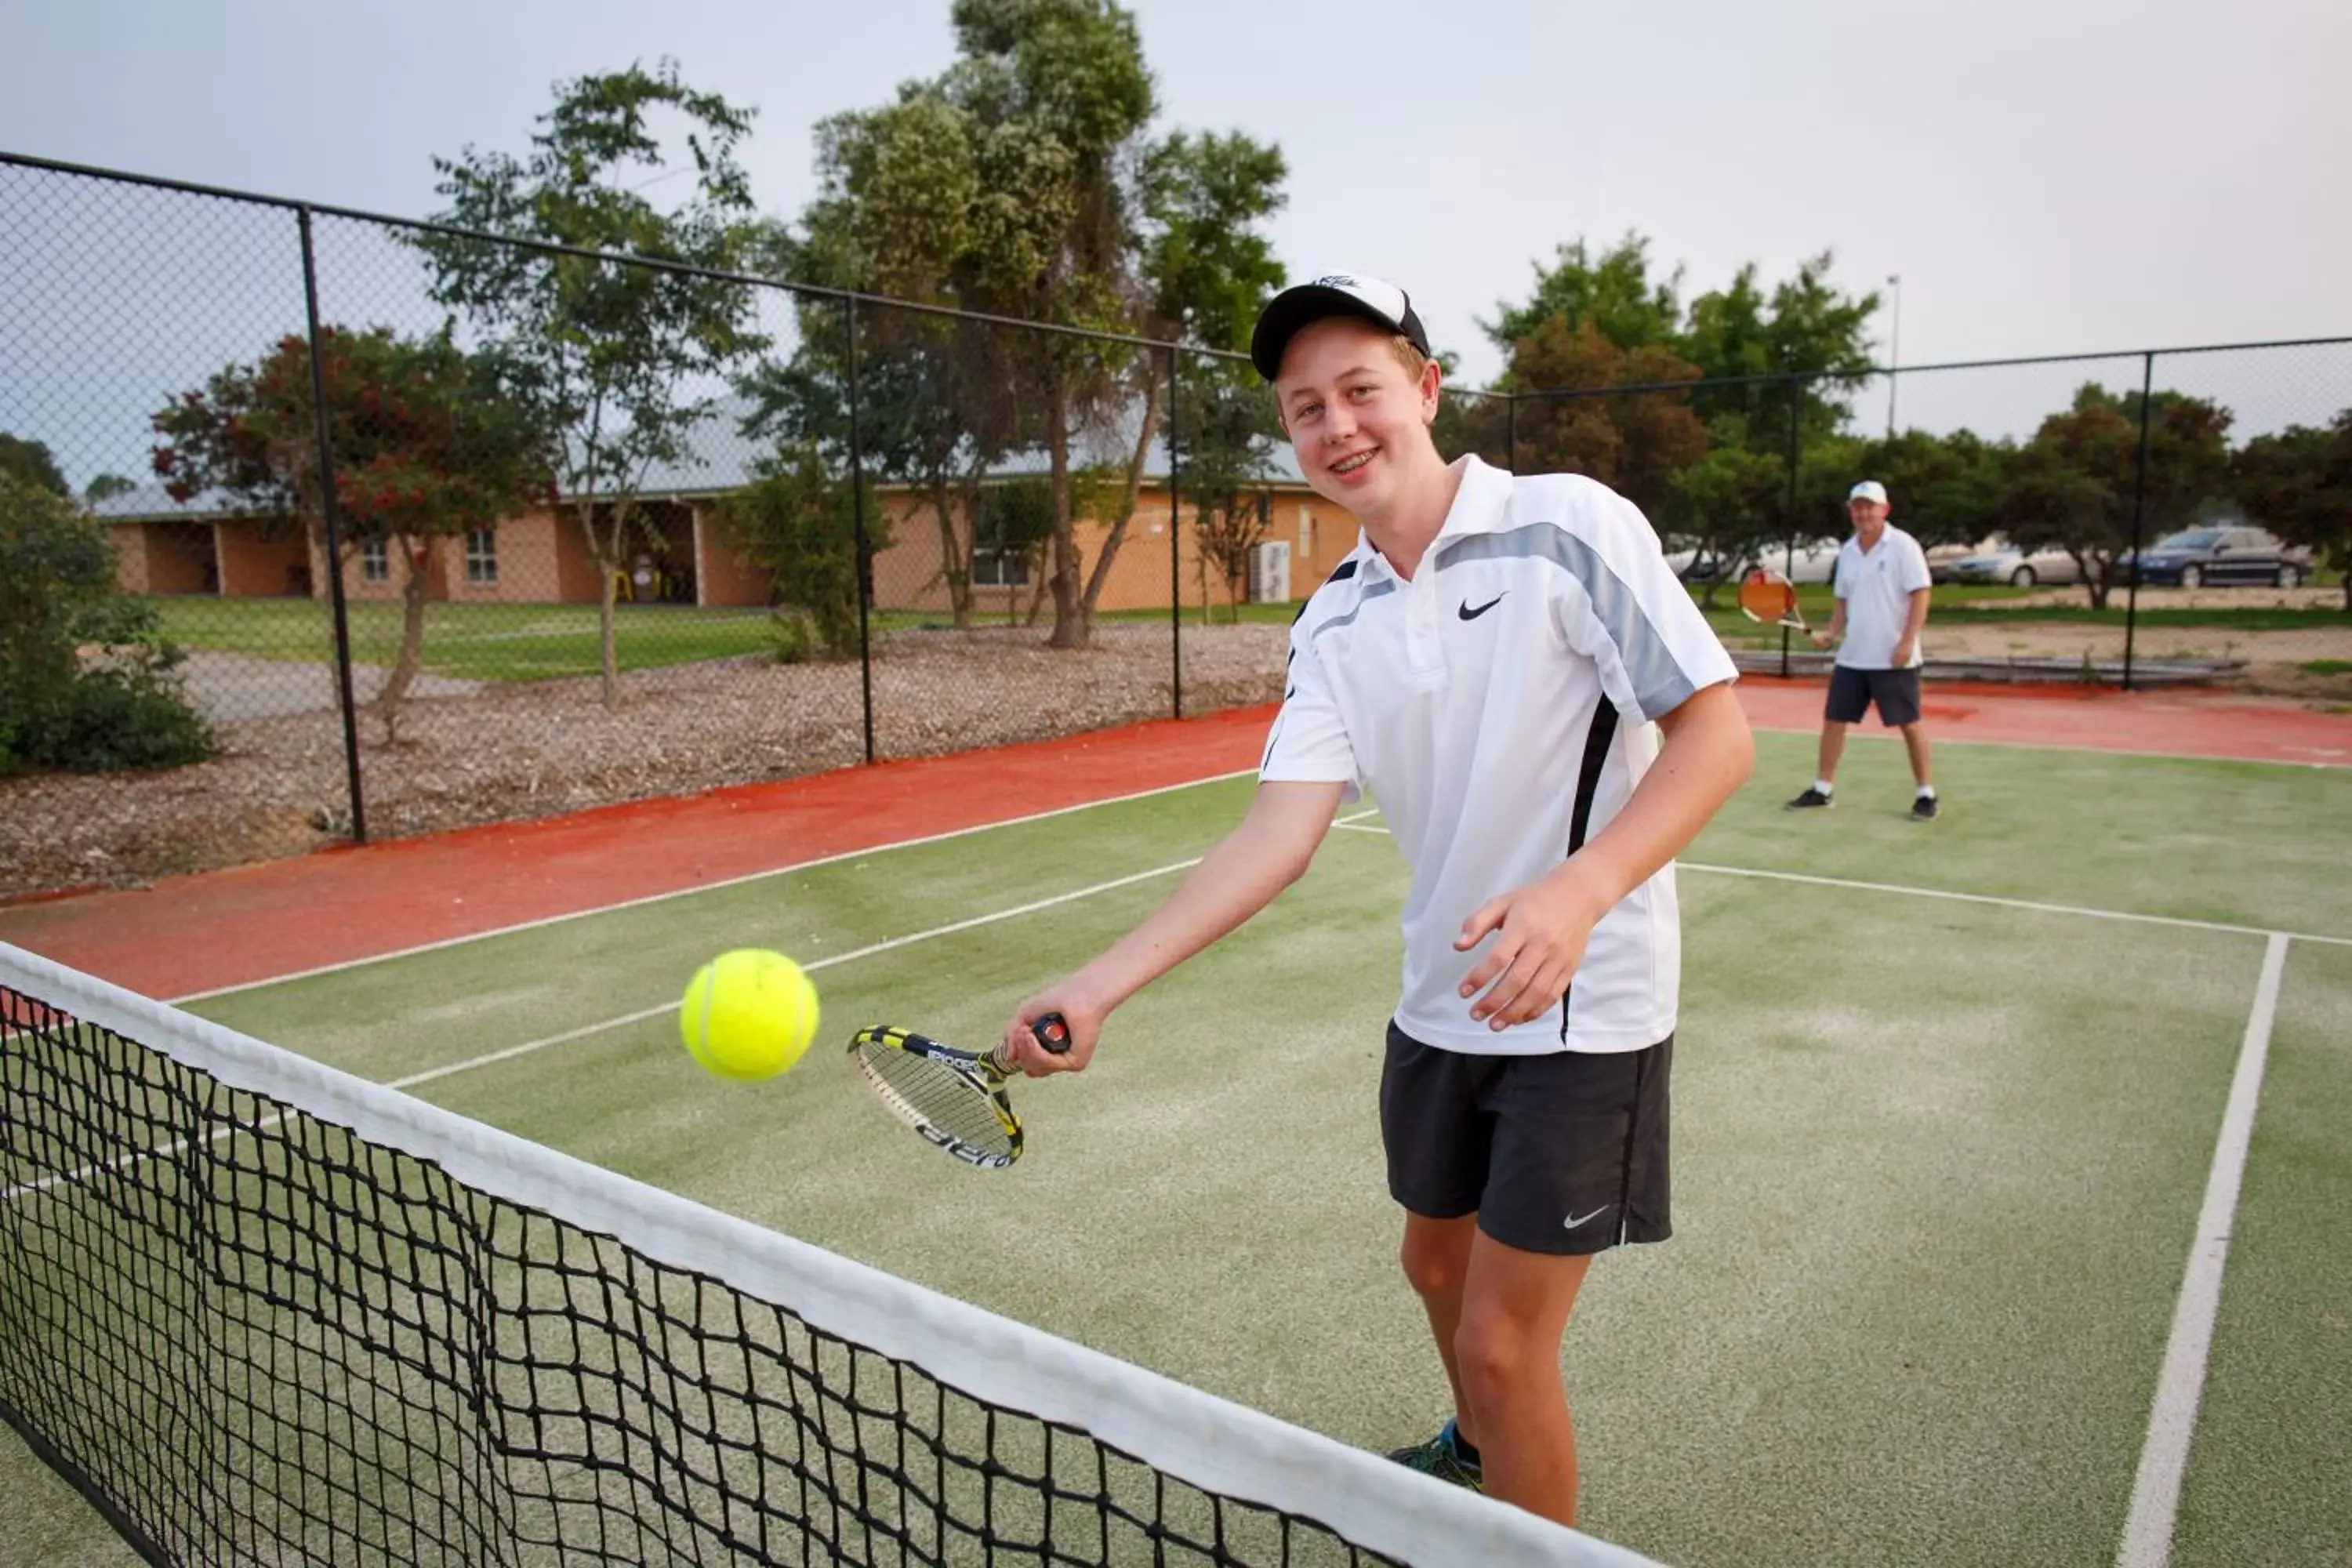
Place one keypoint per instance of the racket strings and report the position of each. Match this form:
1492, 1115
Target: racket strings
932, 1093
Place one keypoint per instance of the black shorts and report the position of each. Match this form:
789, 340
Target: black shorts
1563, 1153
1852, 691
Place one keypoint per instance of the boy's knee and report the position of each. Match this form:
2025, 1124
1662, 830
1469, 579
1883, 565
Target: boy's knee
1435, 1266
1495, 1359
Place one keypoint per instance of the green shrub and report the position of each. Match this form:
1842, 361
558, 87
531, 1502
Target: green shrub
85, 680
792, 636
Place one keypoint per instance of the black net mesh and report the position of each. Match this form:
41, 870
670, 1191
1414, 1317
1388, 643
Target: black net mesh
253, 1335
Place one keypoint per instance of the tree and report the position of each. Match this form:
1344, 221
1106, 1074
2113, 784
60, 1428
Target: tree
1013, 522
1730, 506
60, 707
1021, 183
935, 408
1634, 443
2298, 484
1205, 270
1610, 293
1601, 320
611, 352
1055, 92
1226, 433
2074, 486
1471, 422
106, 487
1945, 488
30, 463
798, 522
429, 442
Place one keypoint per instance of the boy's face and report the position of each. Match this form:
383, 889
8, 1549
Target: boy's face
1358, 420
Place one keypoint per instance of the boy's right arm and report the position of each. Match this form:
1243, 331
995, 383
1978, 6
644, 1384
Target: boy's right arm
1240, 876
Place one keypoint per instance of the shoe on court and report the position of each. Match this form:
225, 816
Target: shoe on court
1808, 800
1924, 808
1441, 1458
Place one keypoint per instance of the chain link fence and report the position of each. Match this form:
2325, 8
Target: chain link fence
2159, 518
441, 528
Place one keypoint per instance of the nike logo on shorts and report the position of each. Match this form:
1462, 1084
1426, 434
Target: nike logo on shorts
1576, 1220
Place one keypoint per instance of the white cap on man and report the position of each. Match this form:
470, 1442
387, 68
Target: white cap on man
1869, 490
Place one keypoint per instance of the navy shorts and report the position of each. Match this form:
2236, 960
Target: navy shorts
1563, 1153
1852, 691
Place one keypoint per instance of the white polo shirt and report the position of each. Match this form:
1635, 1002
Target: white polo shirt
1876, 585
1499, 707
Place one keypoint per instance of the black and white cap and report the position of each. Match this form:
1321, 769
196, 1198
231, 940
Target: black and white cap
1334, 294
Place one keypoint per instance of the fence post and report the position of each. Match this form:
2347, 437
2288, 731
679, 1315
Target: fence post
2139, 512
864, 544
332, 514
1175, 543
1796, 402
1511, 431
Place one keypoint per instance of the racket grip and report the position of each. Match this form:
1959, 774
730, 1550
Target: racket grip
1053, 1032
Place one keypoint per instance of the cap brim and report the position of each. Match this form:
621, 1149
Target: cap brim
1294, 310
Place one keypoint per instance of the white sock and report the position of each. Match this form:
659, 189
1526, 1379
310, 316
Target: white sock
1825, 787
1927, 791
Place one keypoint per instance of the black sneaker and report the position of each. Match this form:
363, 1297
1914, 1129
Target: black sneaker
1810, 799
1924, 808
1439, 1456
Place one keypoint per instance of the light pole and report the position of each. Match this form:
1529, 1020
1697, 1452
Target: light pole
1893, 350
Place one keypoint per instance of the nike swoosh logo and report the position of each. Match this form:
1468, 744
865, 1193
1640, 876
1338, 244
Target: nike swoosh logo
1575, 1220
1468, 614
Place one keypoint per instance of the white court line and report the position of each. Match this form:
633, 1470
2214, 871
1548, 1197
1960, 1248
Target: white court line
2322, 757
527, 1047
2081, 911
2172, 1421
697, 888
449, 1069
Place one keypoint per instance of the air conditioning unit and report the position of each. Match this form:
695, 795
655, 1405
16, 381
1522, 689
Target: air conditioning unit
1269, 572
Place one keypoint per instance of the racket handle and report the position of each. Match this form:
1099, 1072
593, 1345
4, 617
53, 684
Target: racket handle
1053, 1032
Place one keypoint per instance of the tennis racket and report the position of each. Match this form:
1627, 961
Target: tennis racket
1766, 596
956, 1100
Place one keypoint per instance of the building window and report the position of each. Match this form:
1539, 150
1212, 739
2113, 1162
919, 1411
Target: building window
1306, 533
482, 556
999, 568
375, 562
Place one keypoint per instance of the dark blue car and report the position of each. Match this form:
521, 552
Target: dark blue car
2218, 554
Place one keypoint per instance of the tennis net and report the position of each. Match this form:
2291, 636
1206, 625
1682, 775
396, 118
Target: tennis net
256, 1309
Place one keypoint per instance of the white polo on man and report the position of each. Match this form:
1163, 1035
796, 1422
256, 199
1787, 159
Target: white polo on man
1876, 585
1491, 766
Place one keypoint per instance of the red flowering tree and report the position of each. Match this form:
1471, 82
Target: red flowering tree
427, 443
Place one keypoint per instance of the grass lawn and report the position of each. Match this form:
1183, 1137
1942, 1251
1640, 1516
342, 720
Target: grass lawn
483, 642
540, 642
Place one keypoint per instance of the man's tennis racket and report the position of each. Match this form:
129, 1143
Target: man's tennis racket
1766, 596
954, 1099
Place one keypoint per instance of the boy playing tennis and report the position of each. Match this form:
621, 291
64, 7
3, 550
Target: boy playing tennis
1489, 660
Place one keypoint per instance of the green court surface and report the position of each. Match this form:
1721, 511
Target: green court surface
1940, 1159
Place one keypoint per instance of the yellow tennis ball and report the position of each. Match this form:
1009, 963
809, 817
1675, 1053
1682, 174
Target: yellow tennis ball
747, 1014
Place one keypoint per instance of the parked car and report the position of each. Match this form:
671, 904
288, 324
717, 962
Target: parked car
1943, 560
2219, 554
1815, 561
2005, 563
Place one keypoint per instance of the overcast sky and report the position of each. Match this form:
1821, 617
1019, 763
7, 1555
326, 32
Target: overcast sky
2045, 175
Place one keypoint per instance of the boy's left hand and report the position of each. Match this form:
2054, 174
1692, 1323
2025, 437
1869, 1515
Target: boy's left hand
1543, 928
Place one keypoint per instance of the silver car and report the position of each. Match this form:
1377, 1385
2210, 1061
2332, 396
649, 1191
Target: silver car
2001, 561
